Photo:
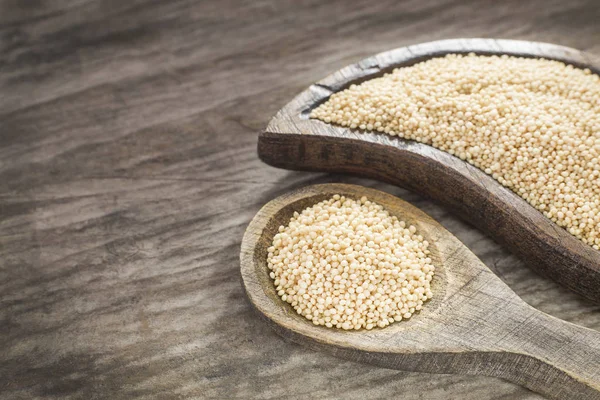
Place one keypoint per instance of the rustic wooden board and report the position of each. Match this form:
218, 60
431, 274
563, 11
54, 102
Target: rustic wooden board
294, 141
474, 325
129, 172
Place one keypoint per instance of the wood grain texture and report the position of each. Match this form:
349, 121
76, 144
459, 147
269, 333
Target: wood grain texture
293, 141
474, 325
128, 174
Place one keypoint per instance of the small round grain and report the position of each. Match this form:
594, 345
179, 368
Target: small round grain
532, 124
348, 264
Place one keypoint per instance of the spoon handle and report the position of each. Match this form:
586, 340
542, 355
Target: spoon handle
553, 357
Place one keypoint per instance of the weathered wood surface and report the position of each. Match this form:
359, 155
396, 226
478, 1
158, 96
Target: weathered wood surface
128, 174
474, 325
292, 140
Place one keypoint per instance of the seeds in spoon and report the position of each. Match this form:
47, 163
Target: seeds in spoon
348, 264
532, 124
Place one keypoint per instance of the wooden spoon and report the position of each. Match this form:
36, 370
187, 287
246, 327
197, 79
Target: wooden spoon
294, 141
475, 324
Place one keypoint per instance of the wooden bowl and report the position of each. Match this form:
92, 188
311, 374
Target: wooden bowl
293, 141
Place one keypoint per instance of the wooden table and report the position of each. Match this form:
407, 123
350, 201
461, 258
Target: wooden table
128, 173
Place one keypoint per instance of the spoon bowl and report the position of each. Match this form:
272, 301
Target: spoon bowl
474, 324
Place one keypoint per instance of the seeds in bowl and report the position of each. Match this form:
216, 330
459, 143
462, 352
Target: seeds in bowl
349, 264
532, 124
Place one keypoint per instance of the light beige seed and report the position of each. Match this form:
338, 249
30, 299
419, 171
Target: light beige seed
341, 288
532, 124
